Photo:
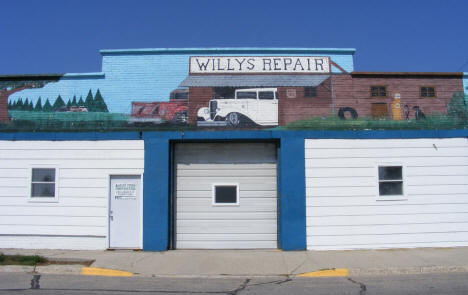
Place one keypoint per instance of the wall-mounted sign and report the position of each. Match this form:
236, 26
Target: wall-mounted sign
259, 64
291, 93
125, 191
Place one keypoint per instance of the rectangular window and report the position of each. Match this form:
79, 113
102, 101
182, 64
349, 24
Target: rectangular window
390, 181
225, 194
427, 91
247, 95
310, 91
43, 184
266, 95
378, 91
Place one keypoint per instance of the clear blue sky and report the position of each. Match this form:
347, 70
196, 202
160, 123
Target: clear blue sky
49, 36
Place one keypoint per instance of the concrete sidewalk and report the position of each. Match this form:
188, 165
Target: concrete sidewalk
208, 263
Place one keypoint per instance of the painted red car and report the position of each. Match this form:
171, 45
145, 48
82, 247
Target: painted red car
174, 110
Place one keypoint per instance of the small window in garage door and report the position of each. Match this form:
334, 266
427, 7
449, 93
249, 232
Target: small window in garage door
225, 194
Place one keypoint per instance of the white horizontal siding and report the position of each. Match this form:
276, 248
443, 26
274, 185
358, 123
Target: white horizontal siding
53, 242
343, 209
99, 230
79, 219
252, 223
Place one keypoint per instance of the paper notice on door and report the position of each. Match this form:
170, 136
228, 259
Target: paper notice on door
125, 191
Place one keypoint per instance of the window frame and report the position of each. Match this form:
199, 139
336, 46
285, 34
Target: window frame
420, 92
54, 199
403, 196
213, 194
313, 89
379, 86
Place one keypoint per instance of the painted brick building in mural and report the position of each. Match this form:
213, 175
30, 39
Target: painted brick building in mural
412, 87
243, 148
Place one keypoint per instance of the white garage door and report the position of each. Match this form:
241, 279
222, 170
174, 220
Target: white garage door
226, 195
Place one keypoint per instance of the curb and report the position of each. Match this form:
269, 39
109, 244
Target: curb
107, 272
334, 272
77, 269
66, 269
407, 270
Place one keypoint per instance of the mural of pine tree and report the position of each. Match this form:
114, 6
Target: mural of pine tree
10, 106
19, 104
38, 107
81, 102
47, 106
99, 103
74, 103
58, 103
68, 104
89, 102
31, 106
26, 105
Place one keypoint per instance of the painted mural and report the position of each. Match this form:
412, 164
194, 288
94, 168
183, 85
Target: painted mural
10, 87
246, 107
179, 92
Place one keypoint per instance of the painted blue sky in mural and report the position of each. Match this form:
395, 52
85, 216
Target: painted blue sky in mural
52, 36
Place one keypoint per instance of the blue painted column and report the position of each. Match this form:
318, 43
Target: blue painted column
155, 194
291, 194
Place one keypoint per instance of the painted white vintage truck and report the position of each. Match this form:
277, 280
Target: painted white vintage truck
257, 105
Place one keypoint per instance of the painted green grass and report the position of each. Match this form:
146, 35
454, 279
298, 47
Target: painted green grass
335, 123
80, 121
21, 260
67, 116
95, 121
64, 121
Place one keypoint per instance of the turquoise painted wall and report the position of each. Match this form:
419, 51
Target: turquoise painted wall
151, 74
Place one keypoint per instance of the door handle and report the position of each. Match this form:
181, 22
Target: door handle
111, 217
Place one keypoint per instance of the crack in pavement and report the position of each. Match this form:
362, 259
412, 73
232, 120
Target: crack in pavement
245, 284
297, 267
35, 282
240, 288
363, 287
36, 278
138, 260
288, 278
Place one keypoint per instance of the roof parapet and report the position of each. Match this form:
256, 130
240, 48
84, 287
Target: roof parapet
211, 50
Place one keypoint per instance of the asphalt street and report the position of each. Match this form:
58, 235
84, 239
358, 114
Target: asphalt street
22, 283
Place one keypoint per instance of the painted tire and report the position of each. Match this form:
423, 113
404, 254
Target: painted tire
180, 117
233, 119
351, 111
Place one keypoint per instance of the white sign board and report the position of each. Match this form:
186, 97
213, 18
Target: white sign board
259, 64
125, 191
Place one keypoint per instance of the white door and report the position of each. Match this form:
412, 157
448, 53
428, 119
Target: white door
124, 211
226, 196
